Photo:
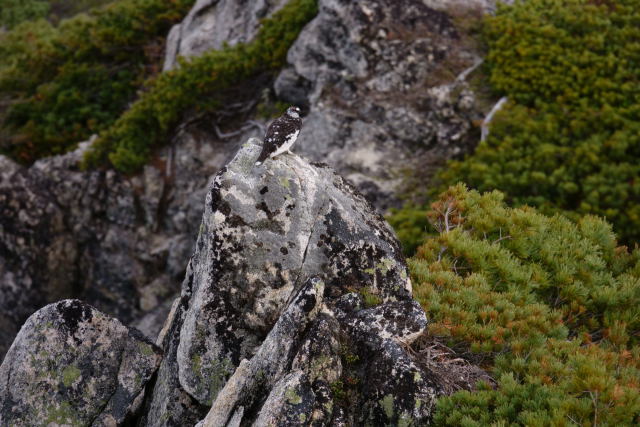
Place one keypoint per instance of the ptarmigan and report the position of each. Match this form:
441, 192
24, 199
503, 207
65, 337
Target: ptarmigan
281, 135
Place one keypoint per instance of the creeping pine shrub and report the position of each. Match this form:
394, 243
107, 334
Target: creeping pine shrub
569, 139
62, 83
195, 85
551, 305
14, 12
411, 226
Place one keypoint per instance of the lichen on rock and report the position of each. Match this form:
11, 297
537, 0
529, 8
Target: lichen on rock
236, 344
72, 365
384, 82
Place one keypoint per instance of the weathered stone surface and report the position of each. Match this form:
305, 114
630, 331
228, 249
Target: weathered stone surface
72, 365
120, 243
378, 334
272, 358
272, 236
212, 23
382, 79
379, 77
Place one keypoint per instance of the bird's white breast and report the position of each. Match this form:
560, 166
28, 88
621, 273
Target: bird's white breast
287, 144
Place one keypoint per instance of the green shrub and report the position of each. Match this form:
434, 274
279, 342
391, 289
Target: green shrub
61, 9
68, 81
569, 139
551, 305
196, 86
411, 226
14, 12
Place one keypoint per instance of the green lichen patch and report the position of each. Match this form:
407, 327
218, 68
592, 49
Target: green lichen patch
145, 349
70, 374
285, 182
387, 405
371, 298
62, 415
292, 397
211, 376
385, 265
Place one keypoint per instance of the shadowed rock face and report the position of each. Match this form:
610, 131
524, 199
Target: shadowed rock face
72, 365
120, 243
287, 255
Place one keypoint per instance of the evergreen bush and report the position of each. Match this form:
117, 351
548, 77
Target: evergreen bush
569, 140
62, 83
14, 12
195, 86
550, 305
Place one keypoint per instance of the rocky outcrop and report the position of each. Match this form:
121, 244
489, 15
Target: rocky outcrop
383, 82
120, 243
386, 106
213, 23
295, 307
72, 365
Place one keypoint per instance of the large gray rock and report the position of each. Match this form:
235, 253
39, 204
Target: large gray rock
72, 365
384, 83
213, 23
296, 274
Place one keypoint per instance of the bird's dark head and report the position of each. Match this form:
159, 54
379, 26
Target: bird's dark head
294, 112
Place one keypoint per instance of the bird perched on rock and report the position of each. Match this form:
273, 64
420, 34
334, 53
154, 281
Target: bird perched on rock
281, 135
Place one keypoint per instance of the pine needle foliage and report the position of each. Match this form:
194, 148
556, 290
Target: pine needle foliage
195, 86
13, 12
569, 140
411, 226
551, 305
62, 83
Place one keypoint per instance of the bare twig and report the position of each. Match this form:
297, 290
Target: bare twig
259, 125
446, 217
463, 75
507, 237
485, 123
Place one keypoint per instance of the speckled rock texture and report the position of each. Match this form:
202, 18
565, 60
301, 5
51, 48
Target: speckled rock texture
386, 85
295, 307
72, 365
212, 23
387, 103
120, 243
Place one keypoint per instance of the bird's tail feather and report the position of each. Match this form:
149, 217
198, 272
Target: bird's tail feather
263, 156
